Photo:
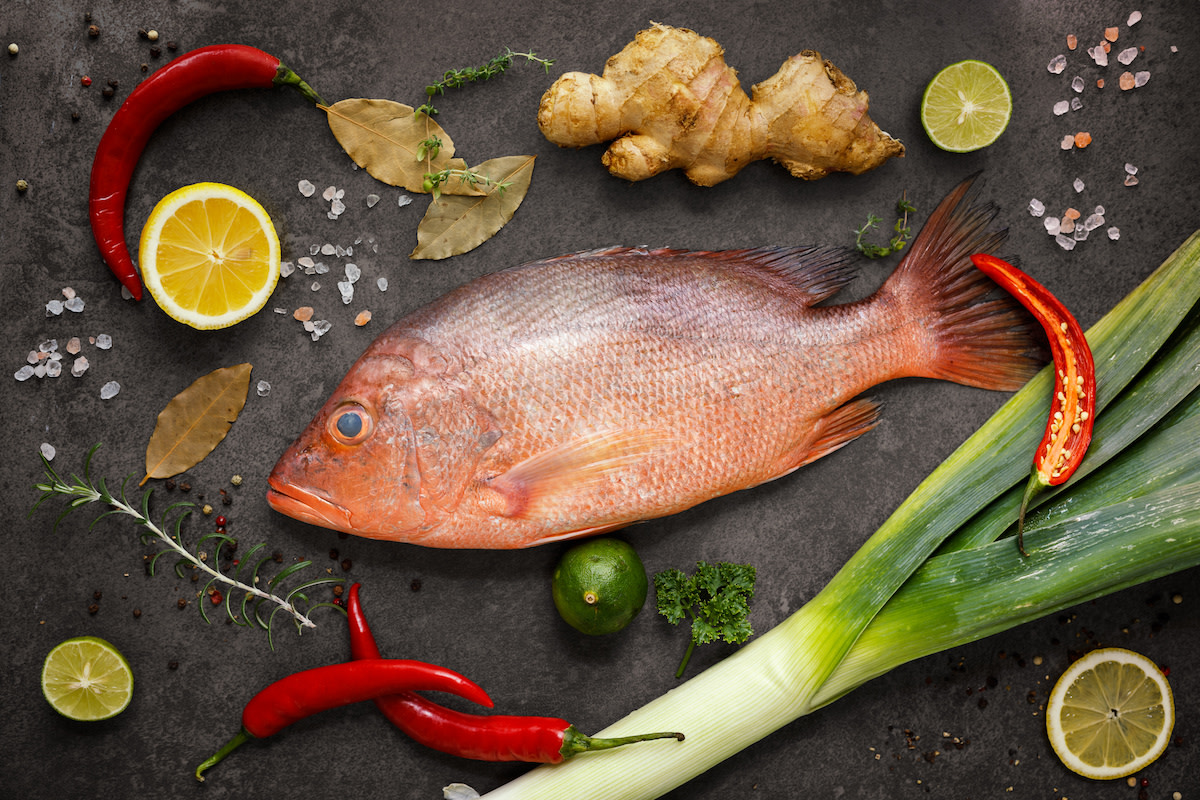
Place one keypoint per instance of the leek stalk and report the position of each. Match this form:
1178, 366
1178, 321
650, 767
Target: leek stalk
940, 572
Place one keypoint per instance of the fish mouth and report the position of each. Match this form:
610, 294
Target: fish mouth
307, 505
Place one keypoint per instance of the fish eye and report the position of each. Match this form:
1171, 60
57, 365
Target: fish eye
350, 424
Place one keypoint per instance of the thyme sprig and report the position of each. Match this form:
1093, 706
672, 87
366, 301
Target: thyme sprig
293, 601
901, 229
455, 79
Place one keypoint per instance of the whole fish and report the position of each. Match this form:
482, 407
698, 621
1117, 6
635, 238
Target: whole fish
582, 393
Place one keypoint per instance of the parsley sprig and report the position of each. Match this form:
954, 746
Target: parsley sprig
716, 599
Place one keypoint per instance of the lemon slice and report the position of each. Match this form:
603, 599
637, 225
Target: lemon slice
966, 106
209, 255
87, 679
1110, 714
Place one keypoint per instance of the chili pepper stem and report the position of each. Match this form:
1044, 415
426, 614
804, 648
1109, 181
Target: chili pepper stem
575, 742
1034, 485
237, 741
286, 77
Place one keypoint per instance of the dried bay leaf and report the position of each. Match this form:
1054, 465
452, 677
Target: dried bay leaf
196, 420
454, 224
383, 137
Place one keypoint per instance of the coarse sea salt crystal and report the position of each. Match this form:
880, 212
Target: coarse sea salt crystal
305, 262
1081, 233
1057, 64
75, 304
314, 249
1131, 180
80, 366
1077, 84
1065, 242
104, 341
306, 188
48, 451
1134, 18
320, 328
24, 373
1037, 207
1078, 184
286, 268
321, 268
404, 200
1067, 142
316, 286
48, 346
53, 368
109, 390
1093, 221
73, 345
382, 283
362, 318
33, 357
337, 208
1131, 169
327, 249
262, 388
68, 292
1127, 55
1114, 233
54, 308
347, 291
1076, 104
1052, 225
1100, 56
372, 199
353, 273
40, 370
329, 193
1140, 78
1061, 107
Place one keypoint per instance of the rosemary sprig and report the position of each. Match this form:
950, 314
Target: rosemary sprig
901, 229
293, 601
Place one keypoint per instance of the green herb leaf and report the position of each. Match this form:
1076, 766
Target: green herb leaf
901, 229
716, 598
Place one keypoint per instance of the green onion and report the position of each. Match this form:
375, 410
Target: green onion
942, 570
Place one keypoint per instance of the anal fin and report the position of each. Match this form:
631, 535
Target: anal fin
837, 428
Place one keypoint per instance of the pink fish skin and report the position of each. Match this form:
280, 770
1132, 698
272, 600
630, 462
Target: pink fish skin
583, 393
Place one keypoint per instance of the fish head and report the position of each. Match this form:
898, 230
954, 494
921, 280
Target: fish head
392, 451
353, 468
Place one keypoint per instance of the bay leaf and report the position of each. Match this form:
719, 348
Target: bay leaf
455, 224
383, 137
196, 420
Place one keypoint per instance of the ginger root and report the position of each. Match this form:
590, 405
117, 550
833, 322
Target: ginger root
670, 101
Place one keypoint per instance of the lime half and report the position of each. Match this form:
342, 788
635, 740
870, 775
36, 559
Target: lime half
966, 106
599, 585
1110, 714
87, 679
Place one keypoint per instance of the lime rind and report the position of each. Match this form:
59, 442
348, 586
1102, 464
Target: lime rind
966, 107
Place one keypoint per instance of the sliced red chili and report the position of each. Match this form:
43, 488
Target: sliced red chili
305, 693
1073, 407
543, 740
189, 77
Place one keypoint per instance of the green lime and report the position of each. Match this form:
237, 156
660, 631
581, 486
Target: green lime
966, 106
599, 585
87, 679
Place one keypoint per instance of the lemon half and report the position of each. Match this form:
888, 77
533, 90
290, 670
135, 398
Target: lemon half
1110, 714
209, 255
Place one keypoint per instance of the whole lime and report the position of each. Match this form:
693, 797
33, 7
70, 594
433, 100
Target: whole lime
599, 585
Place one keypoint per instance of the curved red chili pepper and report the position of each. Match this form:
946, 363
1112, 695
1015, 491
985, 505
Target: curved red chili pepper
1073, 409
189, 77
543, 740
305, 693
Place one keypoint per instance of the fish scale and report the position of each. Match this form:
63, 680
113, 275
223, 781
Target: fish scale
585, 392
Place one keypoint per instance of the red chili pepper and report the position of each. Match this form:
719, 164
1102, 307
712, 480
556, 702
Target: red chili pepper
305, 693
191, 76
1073, 409
542, 740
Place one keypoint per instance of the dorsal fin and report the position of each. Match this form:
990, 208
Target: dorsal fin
812, 272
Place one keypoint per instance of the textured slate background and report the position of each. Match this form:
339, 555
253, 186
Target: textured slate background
490, 614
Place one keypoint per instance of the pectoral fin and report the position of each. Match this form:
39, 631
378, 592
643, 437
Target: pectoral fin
568, 468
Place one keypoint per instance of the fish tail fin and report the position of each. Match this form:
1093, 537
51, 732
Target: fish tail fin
968, 331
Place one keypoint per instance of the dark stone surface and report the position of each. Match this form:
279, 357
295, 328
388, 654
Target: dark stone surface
487, 614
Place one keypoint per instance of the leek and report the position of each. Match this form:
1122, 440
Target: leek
941, 571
